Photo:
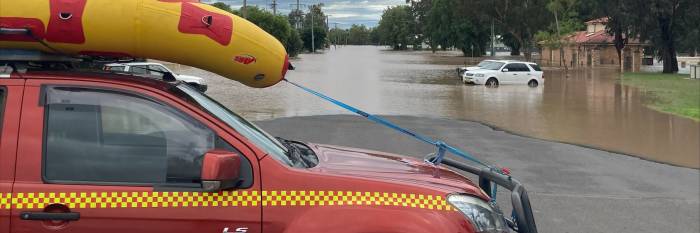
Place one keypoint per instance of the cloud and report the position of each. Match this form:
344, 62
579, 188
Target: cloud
343, 12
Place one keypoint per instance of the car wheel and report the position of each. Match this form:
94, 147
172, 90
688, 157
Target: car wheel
533, 83
492, 82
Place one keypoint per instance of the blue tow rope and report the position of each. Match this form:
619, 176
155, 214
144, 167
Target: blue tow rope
442, 147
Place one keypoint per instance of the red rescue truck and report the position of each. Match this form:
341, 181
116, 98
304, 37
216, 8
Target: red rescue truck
91, 151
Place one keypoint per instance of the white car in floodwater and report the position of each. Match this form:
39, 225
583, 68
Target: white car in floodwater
461, 70
157, 70
505, 72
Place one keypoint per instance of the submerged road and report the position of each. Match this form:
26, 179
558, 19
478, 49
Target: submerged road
572, 188
586, 107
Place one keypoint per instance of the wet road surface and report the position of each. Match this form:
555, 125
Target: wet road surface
571, 188
588, 108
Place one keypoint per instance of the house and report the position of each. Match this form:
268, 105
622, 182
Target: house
593, 47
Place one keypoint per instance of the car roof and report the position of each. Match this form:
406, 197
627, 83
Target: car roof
514, 61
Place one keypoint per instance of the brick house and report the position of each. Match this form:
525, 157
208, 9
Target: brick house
594, 47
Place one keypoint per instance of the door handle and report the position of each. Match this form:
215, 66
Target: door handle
43, 216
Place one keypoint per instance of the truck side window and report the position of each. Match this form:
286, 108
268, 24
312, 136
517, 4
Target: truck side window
105, 136
2, 107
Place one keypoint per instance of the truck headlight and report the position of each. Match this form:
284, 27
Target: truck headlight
485, 217
480, 75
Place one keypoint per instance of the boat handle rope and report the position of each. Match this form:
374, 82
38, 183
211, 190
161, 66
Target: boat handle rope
65, 16
442, 147
207, 20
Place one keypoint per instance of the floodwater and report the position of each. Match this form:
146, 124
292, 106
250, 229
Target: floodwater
588, 107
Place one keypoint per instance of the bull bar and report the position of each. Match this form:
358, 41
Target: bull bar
522, 210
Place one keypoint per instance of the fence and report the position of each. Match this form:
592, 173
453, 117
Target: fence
694, 71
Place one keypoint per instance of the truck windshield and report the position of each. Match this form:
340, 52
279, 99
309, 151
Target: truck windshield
247, 129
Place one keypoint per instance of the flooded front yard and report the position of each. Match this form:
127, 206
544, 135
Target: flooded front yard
587, 107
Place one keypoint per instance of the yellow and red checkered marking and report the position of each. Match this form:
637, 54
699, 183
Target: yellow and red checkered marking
281, 198
353, 198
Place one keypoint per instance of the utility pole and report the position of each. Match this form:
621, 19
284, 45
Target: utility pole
313, 40
493, 40
298, 15
274, 7
562, 59
337, 40
244, 10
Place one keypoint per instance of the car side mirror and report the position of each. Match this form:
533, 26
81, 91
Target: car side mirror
220, 170
505, 70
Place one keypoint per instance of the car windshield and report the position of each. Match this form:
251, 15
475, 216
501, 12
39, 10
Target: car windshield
484, 63
259, 137
493, 66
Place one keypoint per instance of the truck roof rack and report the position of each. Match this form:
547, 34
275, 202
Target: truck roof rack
20, 55
19, 60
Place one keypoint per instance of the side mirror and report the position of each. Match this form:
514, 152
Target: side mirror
505, 70
220, 170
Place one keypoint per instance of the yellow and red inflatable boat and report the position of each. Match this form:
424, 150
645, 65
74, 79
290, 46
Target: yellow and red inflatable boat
179, 31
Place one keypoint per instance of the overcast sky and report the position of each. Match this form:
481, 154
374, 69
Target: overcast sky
343, 12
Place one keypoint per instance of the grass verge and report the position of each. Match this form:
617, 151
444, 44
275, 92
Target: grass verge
672, 93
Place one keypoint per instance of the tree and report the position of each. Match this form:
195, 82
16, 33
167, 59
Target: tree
277, 25
564, 13
690, 41
519, 18
512, 43
619, 23
396, 27
294, 43
662, 22
314, 28
441, 24
451, 24
223, 6
374, 36
295, 18
338, 36
420, 10
358, 35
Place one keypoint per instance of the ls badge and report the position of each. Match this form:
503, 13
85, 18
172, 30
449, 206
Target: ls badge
238, 230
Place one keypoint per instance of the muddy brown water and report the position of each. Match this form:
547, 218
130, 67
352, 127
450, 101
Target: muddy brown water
587, 107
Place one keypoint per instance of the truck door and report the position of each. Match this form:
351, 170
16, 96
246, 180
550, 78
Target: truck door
122, 159
10, 100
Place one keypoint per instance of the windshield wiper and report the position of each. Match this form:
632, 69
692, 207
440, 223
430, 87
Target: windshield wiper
299, 153
293, 153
